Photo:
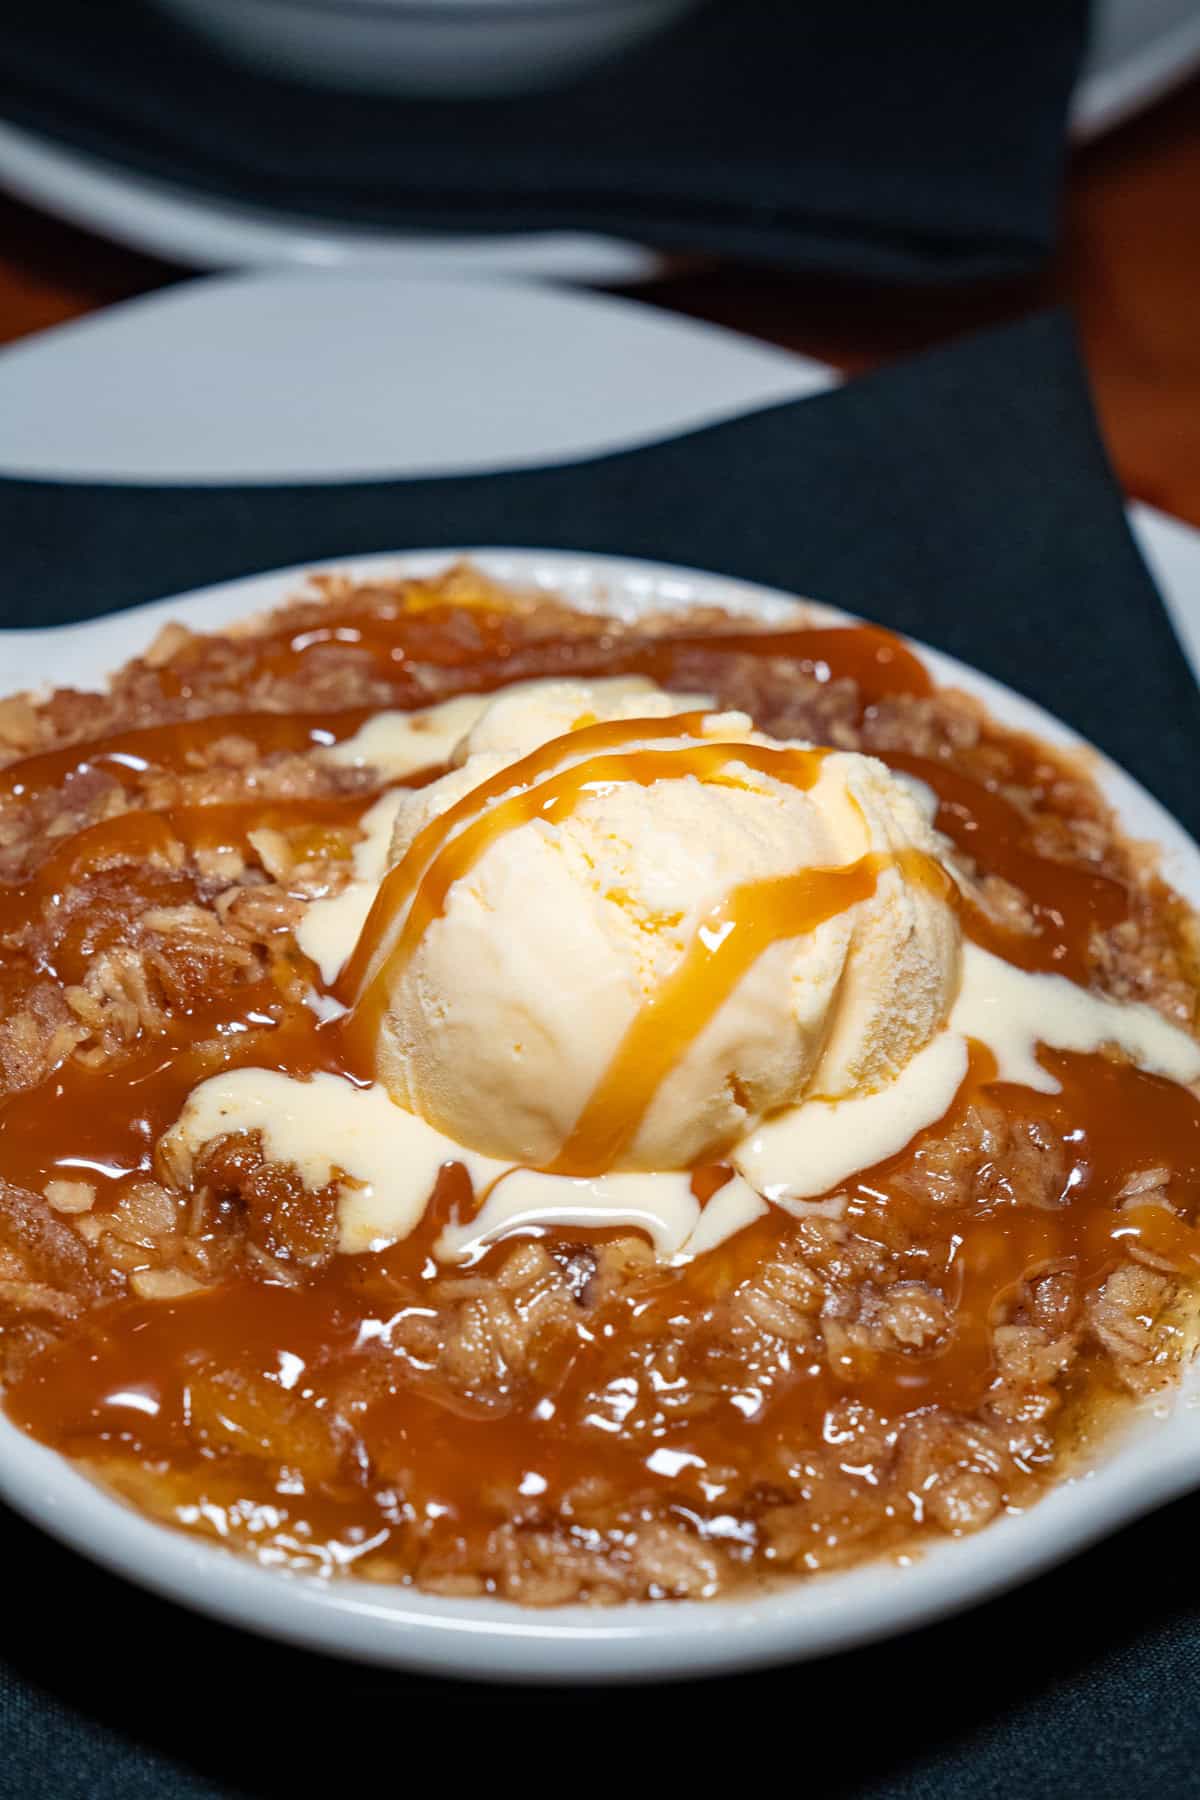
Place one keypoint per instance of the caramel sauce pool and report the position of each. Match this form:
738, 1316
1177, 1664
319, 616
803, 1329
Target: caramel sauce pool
133, 1382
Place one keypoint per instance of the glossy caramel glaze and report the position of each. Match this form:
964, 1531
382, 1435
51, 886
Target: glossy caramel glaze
874, 659
784, 1401
553, 779
550, 782
146, 855
724, 947
1069, 901
125, 755
137, 1376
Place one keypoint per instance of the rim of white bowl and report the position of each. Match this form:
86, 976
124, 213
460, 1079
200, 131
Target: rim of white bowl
1156, 1458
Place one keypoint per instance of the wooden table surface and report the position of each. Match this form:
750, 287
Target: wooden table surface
1128, 266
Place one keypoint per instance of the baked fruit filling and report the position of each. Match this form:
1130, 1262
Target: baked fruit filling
501, 1098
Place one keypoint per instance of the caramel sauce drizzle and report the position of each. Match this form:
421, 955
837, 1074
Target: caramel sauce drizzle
396, 642
135, 1378
417, 878
170, 837
131, 1380
1068, 901
452, 844
725, 946
127, 755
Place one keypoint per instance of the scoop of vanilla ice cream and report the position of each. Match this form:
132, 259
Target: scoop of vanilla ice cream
528, 714
509, 1011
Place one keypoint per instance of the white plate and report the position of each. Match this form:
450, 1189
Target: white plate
293, 377
1139, 50
299, 377
1158, 1459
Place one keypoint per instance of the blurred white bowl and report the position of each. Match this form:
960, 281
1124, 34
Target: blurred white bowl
428, 47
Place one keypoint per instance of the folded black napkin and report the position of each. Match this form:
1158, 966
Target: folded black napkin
963, 497
894, 142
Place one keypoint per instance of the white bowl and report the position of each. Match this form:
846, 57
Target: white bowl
1155, 1459
427, 47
